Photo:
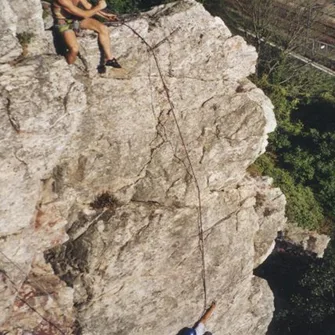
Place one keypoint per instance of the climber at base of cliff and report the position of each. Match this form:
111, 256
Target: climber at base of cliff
199, 328
68, 18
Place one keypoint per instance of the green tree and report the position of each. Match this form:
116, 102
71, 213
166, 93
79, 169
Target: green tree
131, 6
314, 304
302, 207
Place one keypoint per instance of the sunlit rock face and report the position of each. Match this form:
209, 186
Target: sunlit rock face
10, 47
101, 178
29, 16
18, 19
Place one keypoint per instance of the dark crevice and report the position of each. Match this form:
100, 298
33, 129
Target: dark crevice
285, 269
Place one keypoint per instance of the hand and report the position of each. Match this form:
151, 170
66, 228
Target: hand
111, 17
102, 4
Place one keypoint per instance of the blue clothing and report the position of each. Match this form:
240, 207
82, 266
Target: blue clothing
198, 330
187, 331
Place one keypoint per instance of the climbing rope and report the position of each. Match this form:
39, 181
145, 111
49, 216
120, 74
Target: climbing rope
192, 173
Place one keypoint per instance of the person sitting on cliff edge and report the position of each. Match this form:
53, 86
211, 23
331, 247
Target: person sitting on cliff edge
68, 18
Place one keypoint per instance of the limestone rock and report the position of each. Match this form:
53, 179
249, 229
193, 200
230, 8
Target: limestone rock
11, 49
41, 105
47, 15
138, 258
29, 16
9, 45
310, 241
8, 17
118, 166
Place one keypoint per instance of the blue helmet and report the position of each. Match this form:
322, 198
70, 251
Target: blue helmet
187, 331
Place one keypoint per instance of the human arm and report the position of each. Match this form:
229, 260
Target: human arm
84, 13
208, 313
107, 16
86, 4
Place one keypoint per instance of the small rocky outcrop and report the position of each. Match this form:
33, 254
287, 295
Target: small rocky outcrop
310, 241
101, 178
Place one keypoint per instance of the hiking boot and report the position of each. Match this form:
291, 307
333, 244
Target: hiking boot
113, 63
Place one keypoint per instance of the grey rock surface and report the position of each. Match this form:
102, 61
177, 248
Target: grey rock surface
103, 174
41, 105
135, 259
29, 16
10, 47
18, 17
309, 240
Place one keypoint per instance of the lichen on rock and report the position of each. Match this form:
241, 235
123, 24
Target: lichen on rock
184, 123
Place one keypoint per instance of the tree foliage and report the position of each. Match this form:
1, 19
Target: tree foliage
310, 308
301, 152
131, 6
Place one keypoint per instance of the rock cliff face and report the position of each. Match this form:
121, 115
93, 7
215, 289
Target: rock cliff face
28, 14
101, 178
10, 47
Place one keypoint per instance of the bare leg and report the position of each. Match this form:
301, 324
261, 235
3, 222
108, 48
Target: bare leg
103, 34
70, 40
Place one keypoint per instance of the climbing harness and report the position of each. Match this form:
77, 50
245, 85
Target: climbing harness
63, 21
67, 24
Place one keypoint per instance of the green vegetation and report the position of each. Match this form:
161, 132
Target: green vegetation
301, 160
307, 301
123, 6
301, 152
24, 38
320, 282
131, 6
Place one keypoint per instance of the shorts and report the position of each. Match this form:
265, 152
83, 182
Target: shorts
68, 25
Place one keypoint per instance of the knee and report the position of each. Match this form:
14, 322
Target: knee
103, 30
74, 50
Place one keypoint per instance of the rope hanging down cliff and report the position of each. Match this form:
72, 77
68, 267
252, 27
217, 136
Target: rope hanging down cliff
192, 172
